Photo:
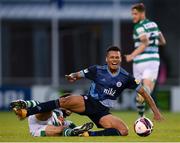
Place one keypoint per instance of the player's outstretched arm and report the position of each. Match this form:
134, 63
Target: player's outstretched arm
52, 130
151, 103
73, 76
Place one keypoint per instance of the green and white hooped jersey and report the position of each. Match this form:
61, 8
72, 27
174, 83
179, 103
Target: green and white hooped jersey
151, 52
37, 127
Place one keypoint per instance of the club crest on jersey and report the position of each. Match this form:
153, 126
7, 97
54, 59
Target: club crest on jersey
119, 84
110, 91
86, 70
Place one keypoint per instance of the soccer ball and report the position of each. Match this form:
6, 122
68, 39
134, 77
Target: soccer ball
143, 127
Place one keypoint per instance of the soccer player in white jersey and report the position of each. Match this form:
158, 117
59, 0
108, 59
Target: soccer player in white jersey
50, 123
147, 39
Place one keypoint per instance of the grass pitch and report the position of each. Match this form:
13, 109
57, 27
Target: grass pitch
13, 130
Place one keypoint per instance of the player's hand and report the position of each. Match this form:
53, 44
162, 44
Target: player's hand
129, 58
70, 78
158, 117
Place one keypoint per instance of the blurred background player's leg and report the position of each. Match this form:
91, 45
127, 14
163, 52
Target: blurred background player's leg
147, 73
140, 104
139, 100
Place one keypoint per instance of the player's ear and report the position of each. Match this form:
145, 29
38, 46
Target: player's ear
120, 59
106, 59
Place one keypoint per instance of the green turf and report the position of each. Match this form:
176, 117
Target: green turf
13, 130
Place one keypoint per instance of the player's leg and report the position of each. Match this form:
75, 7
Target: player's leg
113, 127
52, 130
149, 85
100, 115
23, 104
78, 131
140, 104
138, 70
19, 104
27, 104
154, 93
74, 103
149, 77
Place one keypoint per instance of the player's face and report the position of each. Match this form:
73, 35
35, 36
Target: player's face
113, 60
136, 15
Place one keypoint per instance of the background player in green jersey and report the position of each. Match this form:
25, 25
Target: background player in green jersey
147, 39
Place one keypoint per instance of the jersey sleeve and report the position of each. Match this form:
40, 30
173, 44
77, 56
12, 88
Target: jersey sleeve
133, 83
156, 26
89, 72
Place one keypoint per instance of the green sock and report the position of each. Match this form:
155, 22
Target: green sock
67, 132
32, 103
72, 125
140, 108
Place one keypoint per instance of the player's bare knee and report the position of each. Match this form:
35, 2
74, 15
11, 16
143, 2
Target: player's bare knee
105, 123
64, 101
124, 132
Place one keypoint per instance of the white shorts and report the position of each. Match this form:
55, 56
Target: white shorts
146, 70
37, 128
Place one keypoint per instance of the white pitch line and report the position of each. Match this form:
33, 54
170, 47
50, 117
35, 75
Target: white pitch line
90, 142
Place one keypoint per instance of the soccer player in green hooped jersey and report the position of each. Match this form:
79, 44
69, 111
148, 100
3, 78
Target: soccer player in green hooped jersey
147, 39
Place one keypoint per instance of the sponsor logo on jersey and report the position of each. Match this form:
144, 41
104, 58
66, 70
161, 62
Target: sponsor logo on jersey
110, 91
119, 84
150, 25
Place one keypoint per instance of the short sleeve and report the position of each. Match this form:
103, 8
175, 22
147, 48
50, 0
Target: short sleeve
133, 83
156, 26
90, 72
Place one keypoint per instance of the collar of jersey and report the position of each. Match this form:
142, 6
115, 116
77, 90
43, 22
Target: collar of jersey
113, 75
142, 20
